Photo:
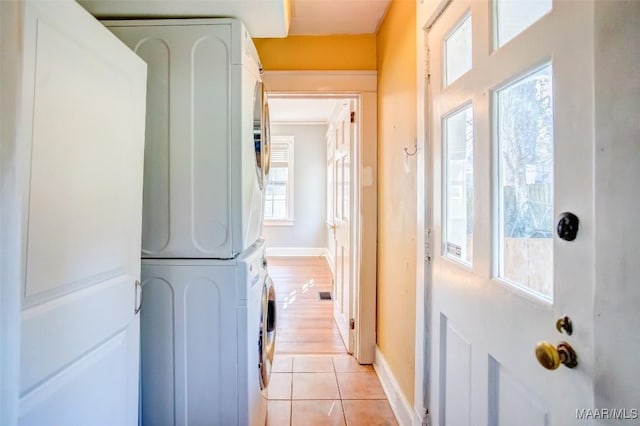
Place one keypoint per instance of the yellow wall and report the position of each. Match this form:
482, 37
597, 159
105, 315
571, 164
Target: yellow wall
392, 52
334, 52
396, 56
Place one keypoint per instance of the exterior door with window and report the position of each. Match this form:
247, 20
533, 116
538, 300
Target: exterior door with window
342, 305
512, 139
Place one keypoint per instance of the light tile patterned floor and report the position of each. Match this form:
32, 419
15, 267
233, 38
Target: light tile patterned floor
314, 382
317, 390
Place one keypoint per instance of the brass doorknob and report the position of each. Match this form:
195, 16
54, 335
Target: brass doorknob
551, 357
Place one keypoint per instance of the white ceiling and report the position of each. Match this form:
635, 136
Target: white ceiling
263, 18
291, 110
318, 17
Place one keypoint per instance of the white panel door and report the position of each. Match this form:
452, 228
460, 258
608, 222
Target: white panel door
512, 149
343, 283
83, 118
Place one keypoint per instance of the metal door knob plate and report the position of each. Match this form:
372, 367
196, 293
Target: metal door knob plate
550, 357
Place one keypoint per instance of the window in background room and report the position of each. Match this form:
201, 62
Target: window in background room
279, 193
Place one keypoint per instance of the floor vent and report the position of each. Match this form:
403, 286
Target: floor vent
325, 295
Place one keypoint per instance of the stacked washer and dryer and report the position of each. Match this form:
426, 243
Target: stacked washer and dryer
208, 315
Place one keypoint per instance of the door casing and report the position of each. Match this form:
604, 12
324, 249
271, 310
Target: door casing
360, 84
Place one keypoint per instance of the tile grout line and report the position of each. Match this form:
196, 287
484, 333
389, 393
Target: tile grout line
335, 373
340, 396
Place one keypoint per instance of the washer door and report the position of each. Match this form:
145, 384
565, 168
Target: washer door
258, 132
267, 340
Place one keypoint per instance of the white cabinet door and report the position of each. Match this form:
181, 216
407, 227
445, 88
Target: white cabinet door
512, 136
83, 110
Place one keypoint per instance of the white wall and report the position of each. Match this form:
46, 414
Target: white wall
309, 183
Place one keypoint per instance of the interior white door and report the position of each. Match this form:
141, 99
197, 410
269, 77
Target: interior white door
342, 305
83, 110
512, 141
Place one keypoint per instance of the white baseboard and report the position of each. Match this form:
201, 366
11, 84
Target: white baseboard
295, 251
405, 415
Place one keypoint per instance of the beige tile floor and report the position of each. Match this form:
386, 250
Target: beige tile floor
317, 390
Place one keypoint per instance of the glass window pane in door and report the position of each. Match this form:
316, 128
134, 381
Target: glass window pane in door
330, 191
514, 16
457, 52
346, 187
339, 187
525, 149
458, 151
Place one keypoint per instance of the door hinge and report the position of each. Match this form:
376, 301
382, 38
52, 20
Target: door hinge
427, 59
352, 324
427, 245
353, 116
426, 418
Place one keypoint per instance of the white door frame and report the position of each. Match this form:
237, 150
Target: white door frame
363, 85
10, 225
426, 15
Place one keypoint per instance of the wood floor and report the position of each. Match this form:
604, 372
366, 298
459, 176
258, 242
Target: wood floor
305, 324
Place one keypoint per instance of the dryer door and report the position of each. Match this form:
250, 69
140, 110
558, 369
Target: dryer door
267, 343
258, 132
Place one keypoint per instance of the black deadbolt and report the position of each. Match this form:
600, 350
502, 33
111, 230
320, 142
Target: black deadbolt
568, 226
